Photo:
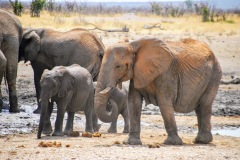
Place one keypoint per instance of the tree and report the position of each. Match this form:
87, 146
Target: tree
50, 5
189, 5
36, 7
205, 14
17, 7
156, 8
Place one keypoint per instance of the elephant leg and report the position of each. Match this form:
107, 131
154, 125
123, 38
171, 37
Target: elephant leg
11, 76
167, 112
59, 121
88, 114
204, 112
135, 107
204, 127
96, 126
69, 124
126, 120
38, 69
3, 64
47, 129
113, 127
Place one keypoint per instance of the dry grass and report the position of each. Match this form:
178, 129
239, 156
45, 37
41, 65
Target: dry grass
190, 25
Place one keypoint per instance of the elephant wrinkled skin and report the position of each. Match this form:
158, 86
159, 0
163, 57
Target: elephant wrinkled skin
46, 48
10, 38
117, 100
72, 89
176, 76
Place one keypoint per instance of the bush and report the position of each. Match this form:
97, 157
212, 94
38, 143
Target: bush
205, 14
36, 7
17, 7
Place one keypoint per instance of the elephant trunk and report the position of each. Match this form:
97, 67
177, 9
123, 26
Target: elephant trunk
104, 88
101, 102
44, 106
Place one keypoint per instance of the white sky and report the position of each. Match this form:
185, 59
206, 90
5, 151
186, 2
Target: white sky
119, 0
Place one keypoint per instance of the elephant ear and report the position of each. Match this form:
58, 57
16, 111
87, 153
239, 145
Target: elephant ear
30, 45
152, 58
67, 84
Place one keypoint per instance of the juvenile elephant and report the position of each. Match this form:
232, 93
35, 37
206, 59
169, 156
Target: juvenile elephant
10, 38
118, 100
176, 76
72, 89
47, 48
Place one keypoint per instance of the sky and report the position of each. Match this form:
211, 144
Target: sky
119, 0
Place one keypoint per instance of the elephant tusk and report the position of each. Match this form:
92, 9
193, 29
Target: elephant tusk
40, 100
107, 90
50, 100
109, 113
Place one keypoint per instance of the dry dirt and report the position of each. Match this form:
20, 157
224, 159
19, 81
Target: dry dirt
18, 131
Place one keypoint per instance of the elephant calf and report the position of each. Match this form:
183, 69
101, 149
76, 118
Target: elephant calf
118, 100
72, 89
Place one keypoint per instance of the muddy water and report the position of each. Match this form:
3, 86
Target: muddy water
230, 131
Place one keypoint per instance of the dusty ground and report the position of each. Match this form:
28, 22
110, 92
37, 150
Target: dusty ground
18, 131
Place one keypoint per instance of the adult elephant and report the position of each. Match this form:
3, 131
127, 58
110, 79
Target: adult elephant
176, 76
10, 38
47, 48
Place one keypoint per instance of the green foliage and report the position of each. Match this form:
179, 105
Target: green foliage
17, 7
205, 14
36, 7
156, 8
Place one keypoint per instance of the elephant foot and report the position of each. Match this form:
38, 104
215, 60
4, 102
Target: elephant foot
68, 131
133, 141
55, 133
110, 130
37, 111
96, 129
173, 140
89, 130
203, 138
14, 110
126, 130
14, 104
47, 129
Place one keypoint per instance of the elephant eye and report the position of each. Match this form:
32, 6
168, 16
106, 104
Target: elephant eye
117, 66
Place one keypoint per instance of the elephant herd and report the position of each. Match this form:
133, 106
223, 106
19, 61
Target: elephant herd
75, 70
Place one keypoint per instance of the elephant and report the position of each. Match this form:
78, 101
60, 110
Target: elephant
72, 89
10, 39
47, 48
178, 76
118, 99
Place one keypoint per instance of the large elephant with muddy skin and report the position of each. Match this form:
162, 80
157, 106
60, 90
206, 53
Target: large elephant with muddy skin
10, 38
47, 48
177, 76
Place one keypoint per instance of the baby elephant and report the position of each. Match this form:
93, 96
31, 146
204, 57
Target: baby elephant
118, 100
72, 90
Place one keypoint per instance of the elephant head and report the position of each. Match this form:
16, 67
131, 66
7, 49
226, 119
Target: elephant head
57, 82
30, 45
125, 61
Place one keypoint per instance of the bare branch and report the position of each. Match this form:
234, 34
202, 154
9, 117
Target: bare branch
156, 25
124, 29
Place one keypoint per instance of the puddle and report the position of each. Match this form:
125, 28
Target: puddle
234, 132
